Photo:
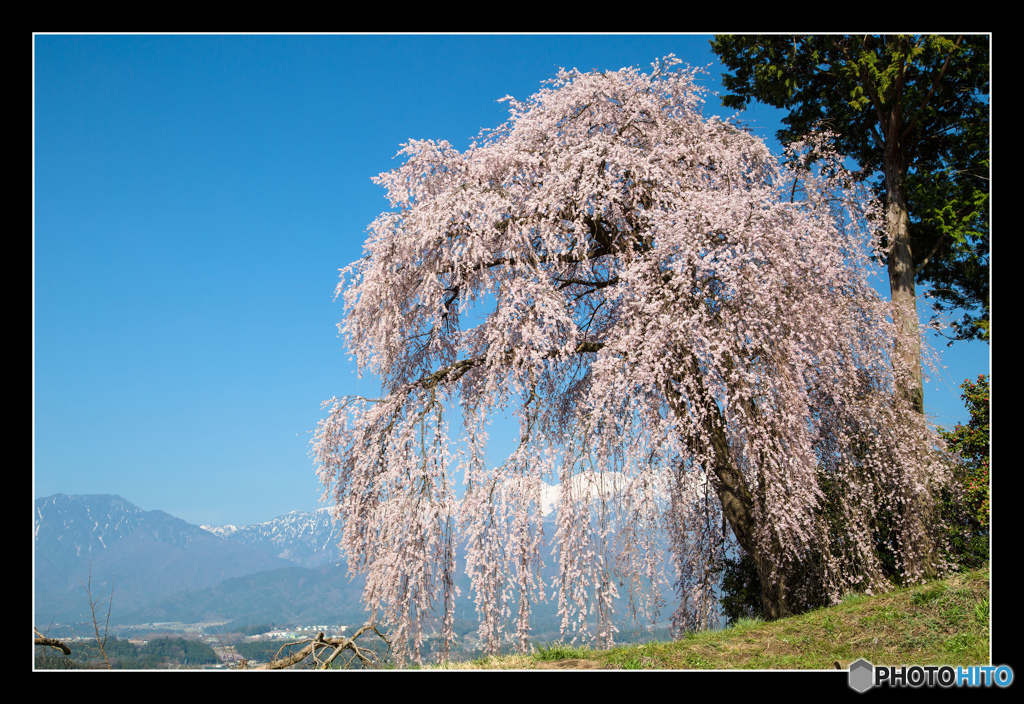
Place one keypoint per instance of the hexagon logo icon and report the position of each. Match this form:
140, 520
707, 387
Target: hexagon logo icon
861, 675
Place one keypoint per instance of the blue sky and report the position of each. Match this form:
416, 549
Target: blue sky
194, 198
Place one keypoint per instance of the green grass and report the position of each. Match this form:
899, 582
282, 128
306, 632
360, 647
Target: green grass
560, 651
945, 622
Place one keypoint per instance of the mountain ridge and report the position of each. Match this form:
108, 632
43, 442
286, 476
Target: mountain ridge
162, 568
108, 543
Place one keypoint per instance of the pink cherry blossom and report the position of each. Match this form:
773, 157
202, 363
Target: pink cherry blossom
656, 300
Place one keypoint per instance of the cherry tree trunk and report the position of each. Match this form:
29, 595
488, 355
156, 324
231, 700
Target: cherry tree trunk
738, 509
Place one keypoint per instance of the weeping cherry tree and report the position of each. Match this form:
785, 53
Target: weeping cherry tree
668, 311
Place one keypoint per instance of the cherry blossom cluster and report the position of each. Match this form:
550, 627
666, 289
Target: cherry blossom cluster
672, 315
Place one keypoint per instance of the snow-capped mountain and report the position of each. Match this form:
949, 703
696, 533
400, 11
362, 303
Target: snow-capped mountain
145, 555
306, 539
585, 485
164, 568
591, 486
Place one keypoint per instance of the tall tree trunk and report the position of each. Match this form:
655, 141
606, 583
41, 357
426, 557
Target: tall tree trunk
918, 511
901, 271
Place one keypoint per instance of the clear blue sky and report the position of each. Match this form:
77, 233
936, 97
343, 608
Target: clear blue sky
194, 198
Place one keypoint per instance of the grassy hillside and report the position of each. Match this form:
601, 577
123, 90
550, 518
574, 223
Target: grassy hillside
945, 622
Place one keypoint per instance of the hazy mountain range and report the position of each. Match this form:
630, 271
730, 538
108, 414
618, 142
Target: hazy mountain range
162, 568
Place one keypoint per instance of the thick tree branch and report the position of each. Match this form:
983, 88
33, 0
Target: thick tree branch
594, 285
453, 372
52, 642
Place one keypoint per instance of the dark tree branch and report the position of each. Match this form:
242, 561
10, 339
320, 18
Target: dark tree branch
928, 258
52, 642
453, 372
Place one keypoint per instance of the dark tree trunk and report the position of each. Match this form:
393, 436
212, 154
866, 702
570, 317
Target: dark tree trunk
738, 509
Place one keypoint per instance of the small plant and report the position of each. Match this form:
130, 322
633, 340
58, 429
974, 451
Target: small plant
929, 594
745, 622
853, 598
694, 661
640, 657
829, 625
981, 611
560, 651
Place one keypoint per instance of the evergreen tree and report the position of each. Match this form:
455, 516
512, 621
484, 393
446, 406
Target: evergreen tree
913, 112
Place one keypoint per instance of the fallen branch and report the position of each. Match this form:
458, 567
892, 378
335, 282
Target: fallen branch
52, 642
319, 645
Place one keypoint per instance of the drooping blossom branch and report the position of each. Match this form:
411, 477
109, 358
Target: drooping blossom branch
683, 327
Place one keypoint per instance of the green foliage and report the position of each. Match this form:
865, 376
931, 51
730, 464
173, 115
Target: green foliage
86, 655
919, 102
741, 590
966, 509
559, 651
52, 659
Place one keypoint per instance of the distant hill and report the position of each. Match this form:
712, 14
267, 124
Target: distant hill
286, 570
297, 595
147, 555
